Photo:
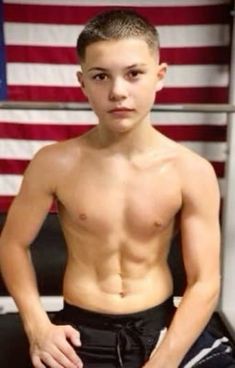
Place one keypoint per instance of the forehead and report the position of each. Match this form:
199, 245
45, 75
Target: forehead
112, 53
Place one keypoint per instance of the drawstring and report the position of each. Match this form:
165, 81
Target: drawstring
133, 329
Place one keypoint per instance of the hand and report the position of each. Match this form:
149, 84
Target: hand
51, 348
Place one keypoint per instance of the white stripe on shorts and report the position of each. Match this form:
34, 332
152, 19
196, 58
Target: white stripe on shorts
204, 352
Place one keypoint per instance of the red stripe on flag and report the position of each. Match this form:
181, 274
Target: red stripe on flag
196, 55
5, 202
74, 94
41, 54
67, 55
42, 131
13, 166
206, 133
219, 168
45, 93
193, 95
56, 14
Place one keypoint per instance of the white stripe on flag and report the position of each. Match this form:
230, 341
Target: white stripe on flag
188, 118
10, 184
194, 35
211, 151
56, 117
65, 75
197, 76
30, 74
20, 149
66, 35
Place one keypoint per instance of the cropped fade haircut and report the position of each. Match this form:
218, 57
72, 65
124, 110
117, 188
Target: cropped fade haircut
117, 24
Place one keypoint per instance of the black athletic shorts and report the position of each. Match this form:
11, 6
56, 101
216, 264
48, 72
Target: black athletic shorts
127, 340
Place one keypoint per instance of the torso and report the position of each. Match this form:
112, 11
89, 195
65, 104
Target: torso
118, 219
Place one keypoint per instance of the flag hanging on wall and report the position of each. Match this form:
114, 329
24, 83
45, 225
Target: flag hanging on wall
39, 63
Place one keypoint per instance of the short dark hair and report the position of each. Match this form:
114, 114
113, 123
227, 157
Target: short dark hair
117, 24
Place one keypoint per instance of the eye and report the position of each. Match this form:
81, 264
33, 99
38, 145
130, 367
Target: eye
100, 77
134, 74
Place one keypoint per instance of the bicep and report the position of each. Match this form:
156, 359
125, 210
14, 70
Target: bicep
200, 229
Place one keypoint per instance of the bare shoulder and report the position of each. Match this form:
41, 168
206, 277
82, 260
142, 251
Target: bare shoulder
51, 163
197, 174
192, 163
187, 161
59, 153
58, 157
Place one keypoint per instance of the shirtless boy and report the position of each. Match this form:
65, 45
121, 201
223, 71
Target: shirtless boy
119, 188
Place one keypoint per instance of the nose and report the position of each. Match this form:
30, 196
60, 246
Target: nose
118, 90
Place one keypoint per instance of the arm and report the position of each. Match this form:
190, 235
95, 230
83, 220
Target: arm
200, 246
24, 220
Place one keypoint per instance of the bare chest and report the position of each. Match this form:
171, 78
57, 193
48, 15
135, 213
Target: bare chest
108, 199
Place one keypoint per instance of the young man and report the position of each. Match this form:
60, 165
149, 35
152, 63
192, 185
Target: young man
119, 188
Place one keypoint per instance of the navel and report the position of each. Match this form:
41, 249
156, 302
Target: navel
122, 294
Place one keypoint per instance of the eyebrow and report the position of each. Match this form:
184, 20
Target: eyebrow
97, 68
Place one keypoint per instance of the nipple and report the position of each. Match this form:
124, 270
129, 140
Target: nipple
157, 224
83, 216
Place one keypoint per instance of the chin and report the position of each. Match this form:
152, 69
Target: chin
122, 126
121, 129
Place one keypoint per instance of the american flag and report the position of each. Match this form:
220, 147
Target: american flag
38, 64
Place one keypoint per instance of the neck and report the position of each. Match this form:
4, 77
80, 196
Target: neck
136, 140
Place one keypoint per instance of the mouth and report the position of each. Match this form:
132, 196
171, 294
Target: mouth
120, 110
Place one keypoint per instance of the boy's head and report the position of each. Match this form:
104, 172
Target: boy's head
117, 24
120, 70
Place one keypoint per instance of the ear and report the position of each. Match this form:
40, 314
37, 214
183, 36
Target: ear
80, 79
161, 73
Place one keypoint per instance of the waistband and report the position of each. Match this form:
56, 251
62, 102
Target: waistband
125, 326
160, 314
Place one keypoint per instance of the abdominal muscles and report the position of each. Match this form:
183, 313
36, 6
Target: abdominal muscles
117, 275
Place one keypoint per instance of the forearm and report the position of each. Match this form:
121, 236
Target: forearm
19, 276
192, 315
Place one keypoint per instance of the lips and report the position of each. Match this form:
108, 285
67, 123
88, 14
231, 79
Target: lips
120, 109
